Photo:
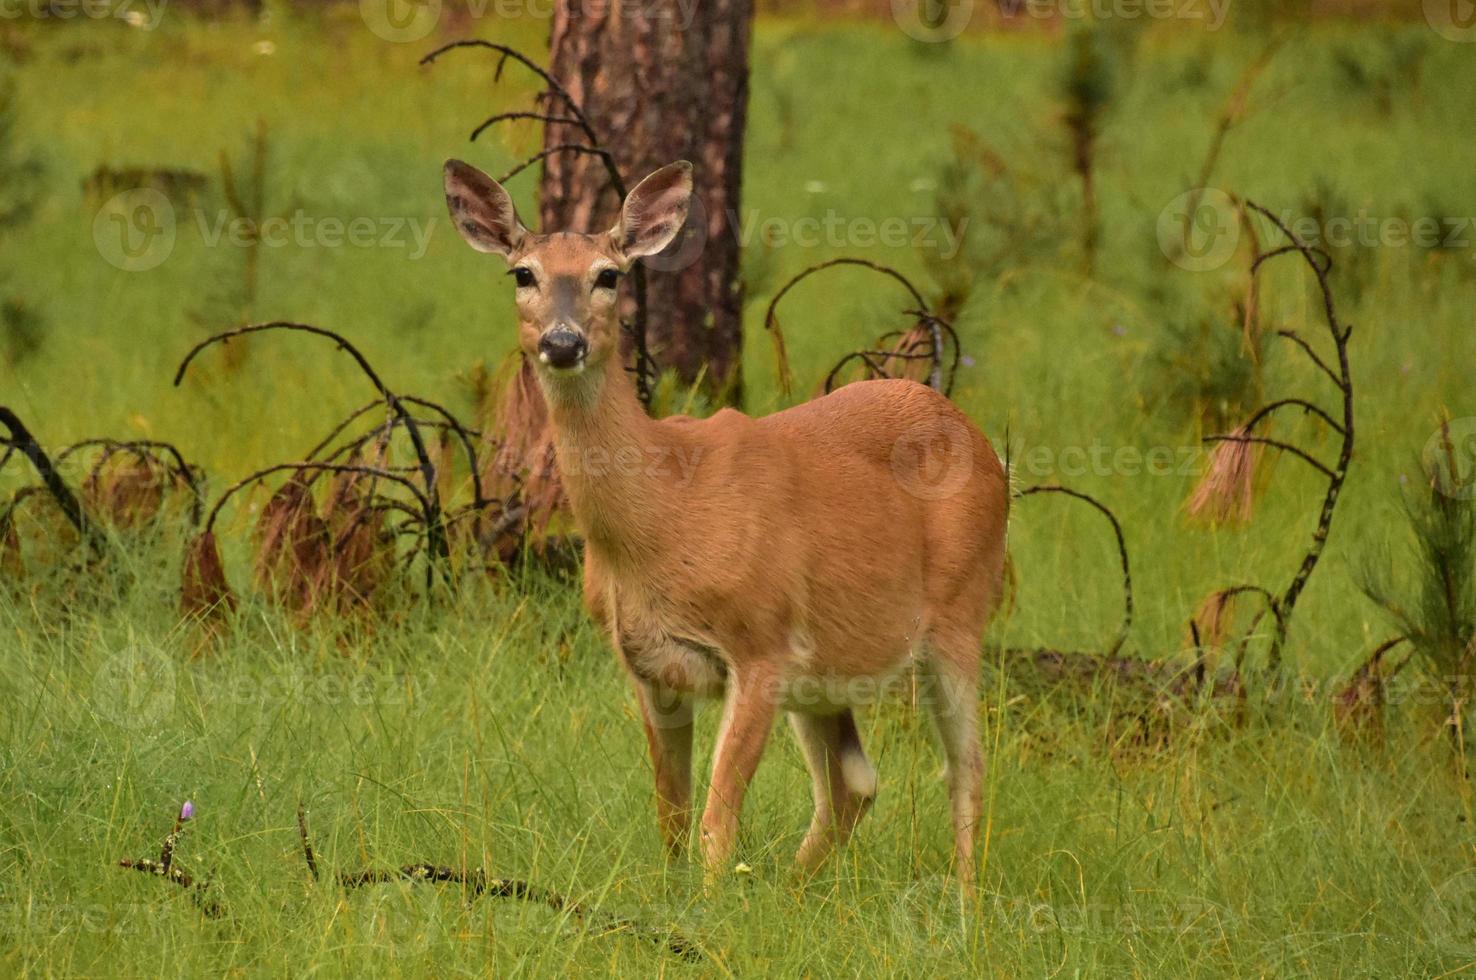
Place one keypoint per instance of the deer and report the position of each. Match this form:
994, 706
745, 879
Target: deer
800, 561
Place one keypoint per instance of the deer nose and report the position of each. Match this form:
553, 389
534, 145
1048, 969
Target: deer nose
562, 347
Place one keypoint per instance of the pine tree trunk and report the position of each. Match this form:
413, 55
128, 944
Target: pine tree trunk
662, 80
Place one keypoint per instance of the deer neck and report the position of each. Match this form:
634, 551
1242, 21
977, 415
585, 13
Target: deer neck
608, 449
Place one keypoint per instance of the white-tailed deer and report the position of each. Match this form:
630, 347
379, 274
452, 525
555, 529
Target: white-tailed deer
797, 562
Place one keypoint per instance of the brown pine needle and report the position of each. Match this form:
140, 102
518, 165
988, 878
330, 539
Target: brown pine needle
205, 593
12, 565
1226, 492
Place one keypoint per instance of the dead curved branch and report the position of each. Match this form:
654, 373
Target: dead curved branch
372, 471
1122, 552
1320, 263
147, 451
21, 440
936, 328
435, 531
478, 883
1286, 447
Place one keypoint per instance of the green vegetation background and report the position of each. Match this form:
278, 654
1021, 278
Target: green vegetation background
500, 733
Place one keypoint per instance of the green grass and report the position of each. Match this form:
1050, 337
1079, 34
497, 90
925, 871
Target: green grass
497, 730
499, 734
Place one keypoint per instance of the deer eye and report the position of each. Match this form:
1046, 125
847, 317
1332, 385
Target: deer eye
607, 278
523, 276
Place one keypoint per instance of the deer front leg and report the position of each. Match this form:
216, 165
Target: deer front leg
748, 717
667, 716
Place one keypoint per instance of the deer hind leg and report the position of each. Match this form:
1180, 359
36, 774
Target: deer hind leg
843, 778
952, 695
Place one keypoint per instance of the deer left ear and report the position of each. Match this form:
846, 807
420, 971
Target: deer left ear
481, 210
654, 212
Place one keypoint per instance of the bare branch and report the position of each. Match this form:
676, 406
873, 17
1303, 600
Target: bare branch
479, 883
550, 151
21, 439
1122, 552
431, 498
1301, 342
373, 471
540, 116
1304, 405
771, 319
1275, 444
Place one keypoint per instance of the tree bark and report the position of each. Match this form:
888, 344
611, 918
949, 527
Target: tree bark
662, 80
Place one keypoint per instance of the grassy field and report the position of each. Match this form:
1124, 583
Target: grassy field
495, 730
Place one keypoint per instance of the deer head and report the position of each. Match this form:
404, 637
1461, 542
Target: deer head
566, 282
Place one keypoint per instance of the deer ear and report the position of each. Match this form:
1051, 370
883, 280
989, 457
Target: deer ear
482, 210
654, 212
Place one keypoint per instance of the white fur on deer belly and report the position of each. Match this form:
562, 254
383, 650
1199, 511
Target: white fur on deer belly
680, 664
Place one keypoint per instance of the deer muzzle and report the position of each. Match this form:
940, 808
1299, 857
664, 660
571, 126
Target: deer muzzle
563, 348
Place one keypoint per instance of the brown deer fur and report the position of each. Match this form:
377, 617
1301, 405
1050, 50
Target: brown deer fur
799, 562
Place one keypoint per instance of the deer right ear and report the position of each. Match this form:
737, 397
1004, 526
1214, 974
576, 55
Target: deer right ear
481, 210
653, 213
